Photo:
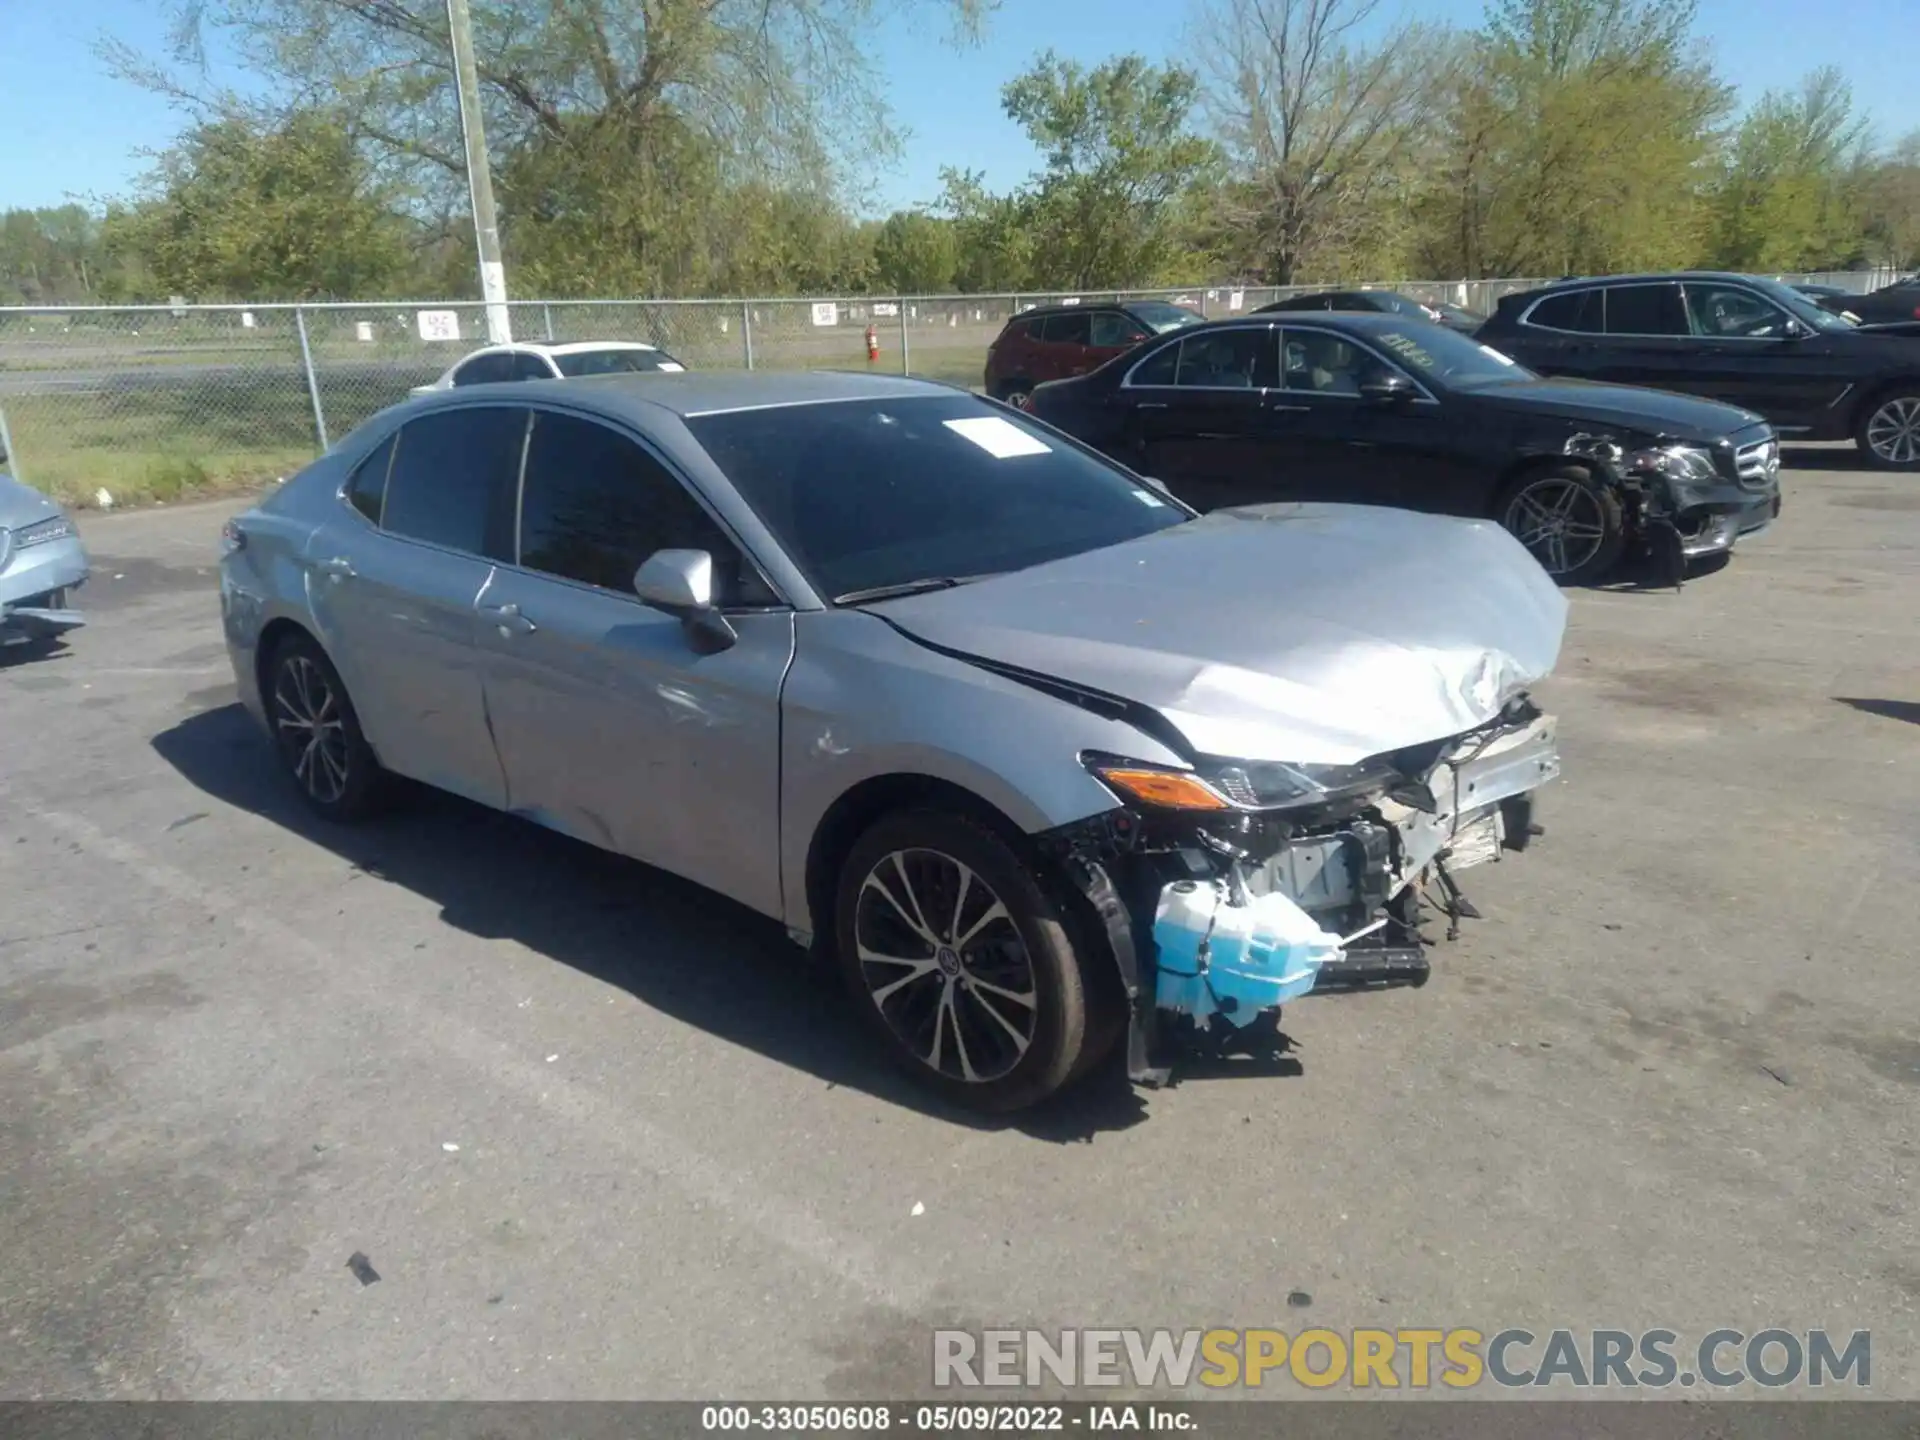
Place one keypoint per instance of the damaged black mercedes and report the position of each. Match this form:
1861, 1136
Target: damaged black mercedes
1383, 410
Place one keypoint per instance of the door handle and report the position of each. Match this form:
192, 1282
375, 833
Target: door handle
337, 569
510, 621
1289, 409
1151, 405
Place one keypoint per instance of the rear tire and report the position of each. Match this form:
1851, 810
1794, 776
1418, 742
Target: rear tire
317, 733
1568, 521
959, 961
1889, 430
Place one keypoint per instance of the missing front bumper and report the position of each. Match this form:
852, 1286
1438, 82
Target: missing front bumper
1366, 882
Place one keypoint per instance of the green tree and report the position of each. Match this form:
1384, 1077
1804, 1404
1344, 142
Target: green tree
293, 213
1891, 203
1321, 132
623, 131
915, 254
1575, 138
1787, 198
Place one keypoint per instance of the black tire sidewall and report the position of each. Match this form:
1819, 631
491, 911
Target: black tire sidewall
364, 785
1061, 1033
1867, 412
1612, 547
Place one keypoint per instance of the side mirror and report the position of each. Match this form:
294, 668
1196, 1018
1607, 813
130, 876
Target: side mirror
1795, 330
1385, 387
680, 582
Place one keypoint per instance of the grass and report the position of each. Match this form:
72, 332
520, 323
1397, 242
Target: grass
146, 439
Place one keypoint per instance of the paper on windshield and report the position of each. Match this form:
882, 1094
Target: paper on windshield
1495, 354
997, 437
671, 365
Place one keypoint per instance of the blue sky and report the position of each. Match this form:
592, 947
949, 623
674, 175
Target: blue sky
68, 130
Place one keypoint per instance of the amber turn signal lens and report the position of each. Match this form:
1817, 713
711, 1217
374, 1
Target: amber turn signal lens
1168, 789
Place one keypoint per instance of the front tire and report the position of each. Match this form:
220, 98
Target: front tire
1568, 521
1016, 393
317, 733
960, 962
1889, 431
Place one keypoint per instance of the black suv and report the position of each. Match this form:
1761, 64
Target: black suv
1744, 339
1382, 410
1384, 302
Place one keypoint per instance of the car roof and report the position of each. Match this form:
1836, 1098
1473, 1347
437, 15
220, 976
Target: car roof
1574, 282
1363, 322
1041, 311
688, 393
542, 347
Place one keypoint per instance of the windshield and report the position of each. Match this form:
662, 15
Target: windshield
864, 494
1454, 360
620, 361
1799, 306
1160, 316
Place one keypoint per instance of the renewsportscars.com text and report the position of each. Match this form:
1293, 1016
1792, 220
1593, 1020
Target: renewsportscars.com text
1413, 1359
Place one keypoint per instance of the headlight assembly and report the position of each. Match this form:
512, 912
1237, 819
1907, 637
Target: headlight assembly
1681, 462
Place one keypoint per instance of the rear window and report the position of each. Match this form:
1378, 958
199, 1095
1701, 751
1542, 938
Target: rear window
1160, 316
869, 493
614, 362
1646, 310
1579, 312
453, 479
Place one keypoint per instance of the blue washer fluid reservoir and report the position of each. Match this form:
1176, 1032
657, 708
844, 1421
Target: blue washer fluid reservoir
1215, 957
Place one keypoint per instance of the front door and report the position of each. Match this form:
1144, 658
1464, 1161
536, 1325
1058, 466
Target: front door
612, 727
395, 602
1749, 359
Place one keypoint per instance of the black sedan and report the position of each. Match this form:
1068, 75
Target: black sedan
1383, 410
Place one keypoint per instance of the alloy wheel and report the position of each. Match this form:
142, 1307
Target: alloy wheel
945, 965
1560, 522
307, 717
1893, 431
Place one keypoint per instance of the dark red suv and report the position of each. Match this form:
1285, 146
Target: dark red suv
1054, 342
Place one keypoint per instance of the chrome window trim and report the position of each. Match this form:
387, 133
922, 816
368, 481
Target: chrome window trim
1180, 337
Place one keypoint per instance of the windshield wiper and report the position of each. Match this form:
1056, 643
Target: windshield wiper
905, 587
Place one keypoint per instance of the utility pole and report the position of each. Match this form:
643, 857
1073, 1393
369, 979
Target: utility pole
486, 228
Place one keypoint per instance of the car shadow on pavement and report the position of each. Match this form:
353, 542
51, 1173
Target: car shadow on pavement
1907, 710
680, 949
1825, 457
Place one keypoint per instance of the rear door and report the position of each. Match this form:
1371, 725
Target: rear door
395, 597
1648, 341
1561, 335
1196, 418
1065, 346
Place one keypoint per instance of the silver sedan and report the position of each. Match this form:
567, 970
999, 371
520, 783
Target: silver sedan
42, 562
1049, 764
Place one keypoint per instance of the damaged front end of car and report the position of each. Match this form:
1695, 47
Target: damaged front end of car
1688, 502
1231, 887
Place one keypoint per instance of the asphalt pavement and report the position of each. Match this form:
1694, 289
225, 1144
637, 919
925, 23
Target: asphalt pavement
600, 1135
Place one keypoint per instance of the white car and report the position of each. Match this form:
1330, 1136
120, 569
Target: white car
528, 361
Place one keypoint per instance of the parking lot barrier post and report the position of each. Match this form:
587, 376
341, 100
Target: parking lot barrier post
313, 380
746, 331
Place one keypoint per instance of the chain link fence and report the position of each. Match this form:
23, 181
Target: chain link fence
104, 406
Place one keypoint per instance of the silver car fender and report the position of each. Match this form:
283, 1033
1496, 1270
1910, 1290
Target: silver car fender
864, 705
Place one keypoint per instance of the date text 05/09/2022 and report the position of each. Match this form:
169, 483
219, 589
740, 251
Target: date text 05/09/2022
943, 1419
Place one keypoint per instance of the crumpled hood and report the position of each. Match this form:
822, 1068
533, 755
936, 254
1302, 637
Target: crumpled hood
1310, 634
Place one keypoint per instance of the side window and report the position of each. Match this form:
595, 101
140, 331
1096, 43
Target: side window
1646, 310
453, 479
1324, 363
367, 486
528, 366
1229, 360
1110, 327
1158, 368
1075, 329
594, 505
484, 370
1721, 311
1578, 312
